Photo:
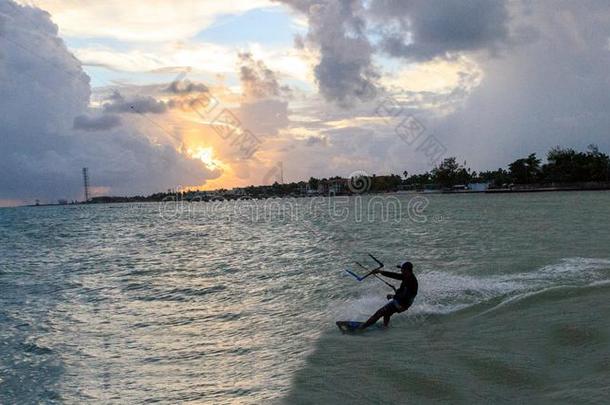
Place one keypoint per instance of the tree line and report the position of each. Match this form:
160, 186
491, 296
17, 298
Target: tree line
563, 165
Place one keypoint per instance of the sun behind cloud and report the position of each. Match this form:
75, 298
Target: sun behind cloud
206, 155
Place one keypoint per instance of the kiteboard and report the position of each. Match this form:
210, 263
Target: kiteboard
354, 326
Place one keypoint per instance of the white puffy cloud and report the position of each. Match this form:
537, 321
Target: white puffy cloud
145, 21
208, 57
200, 57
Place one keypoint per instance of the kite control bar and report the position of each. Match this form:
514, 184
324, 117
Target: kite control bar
378, 262
379, 267
376, 276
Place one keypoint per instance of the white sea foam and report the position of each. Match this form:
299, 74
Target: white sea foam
443, 293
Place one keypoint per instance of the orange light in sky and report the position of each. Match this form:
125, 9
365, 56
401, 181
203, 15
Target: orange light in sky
206, 155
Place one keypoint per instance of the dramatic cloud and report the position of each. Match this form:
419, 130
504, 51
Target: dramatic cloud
412, 29
337, 29
101, 123
424, 29
256, 79
33, 58
136, 105
180, 86
551, 91
315, 141
263, 109
44, 90
490, 80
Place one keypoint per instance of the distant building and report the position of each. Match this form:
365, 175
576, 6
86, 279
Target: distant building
62, 202
337, 186
311, 191
432, 188
478, 186
239, 191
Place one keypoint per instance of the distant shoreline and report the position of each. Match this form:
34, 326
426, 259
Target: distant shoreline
526, 189
565, 170
168, 197
545, 190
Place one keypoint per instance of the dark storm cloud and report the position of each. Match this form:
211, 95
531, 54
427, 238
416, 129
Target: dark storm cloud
101, 123
552, 91
43, 89
186, 87
136, 104
424, 29
316, 140
412, 29
337, 29
540, 75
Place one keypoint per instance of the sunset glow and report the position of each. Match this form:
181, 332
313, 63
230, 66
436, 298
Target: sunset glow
206, 155
194, 193
161, 95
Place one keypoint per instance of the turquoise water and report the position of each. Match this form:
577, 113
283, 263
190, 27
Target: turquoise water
236, 302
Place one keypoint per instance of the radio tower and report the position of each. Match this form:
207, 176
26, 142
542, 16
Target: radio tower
86, 183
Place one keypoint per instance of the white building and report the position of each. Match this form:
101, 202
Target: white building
478, 186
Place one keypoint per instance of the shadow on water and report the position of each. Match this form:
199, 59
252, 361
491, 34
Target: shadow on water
547, 346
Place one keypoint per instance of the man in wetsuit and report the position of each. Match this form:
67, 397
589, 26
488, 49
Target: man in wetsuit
400, 301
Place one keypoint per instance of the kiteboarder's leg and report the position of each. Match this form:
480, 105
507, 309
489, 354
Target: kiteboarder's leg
374, 318
386, 311
386, 320
391, 308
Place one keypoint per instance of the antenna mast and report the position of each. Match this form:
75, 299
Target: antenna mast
86, 183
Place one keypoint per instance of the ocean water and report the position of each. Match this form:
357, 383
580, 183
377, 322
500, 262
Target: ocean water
236, 302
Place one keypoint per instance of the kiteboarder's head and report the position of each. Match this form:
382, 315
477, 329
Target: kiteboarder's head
406, 268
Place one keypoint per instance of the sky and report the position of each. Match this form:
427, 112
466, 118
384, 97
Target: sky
187, 94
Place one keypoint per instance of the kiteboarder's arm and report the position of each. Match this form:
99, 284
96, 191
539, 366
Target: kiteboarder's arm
389, 274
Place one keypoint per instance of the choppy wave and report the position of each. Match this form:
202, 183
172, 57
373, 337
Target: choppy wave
121, 306
535, 336
445, 293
